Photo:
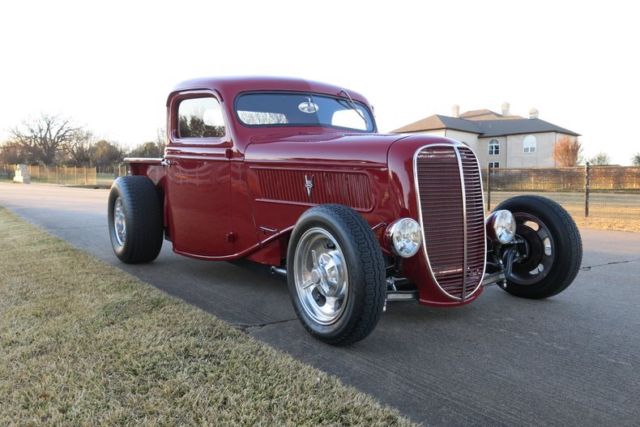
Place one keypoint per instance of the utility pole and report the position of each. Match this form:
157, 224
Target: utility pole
587, 185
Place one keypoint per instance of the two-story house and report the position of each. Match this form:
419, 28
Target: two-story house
499, 140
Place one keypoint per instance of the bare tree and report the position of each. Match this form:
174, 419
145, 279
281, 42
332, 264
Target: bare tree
635, 160
566, 152
44, 139
600, 159
79, 148
12, 153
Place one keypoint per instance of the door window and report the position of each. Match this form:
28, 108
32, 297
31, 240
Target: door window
200, 118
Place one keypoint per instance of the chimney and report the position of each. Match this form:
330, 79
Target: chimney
505, 108
455, 110
533, 113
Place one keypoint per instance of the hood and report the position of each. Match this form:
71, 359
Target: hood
361, 149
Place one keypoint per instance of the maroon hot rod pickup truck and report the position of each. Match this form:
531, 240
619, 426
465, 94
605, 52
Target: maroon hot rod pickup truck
293, 174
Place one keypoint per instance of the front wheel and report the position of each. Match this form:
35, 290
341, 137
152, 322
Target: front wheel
336, 274
550, 247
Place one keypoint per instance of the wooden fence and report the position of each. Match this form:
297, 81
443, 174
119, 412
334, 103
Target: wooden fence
55, 174
601, 179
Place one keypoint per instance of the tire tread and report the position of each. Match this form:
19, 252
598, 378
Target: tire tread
570, 251
373, 270
143, 210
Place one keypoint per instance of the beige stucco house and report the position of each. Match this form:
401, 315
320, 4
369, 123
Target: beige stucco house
499, 140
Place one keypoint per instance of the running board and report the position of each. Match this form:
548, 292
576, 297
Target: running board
279, 271
392, 293
402, 295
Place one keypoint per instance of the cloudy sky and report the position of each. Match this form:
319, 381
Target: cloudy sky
109, 65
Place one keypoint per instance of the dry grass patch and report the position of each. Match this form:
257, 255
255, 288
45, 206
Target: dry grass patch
623, 224
83, 343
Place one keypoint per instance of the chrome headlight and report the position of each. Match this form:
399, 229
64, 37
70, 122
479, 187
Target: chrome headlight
501, 226
405, 237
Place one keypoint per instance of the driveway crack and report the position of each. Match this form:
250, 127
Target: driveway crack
589, 267
248, 327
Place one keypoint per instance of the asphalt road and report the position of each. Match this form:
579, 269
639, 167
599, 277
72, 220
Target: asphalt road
571, 360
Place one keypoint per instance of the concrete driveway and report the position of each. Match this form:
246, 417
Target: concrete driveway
571, 360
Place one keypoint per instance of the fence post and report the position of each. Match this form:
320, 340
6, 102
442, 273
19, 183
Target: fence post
489, 188
587, 185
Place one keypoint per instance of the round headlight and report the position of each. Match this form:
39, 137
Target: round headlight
502, 225
405, 237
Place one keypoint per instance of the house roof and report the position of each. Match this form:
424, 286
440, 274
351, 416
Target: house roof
519, 126
485, 114
438, 121
506, 125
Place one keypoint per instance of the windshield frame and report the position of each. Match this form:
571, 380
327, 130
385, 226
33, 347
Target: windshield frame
343, 99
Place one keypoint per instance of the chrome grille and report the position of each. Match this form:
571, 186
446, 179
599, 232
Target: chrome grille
452, 214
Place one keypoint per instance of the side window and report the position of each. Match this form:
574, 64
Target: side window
200, 118
529, 144
494, 147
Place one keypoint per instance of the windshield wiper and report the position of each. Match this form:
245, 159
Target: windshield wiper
353, 105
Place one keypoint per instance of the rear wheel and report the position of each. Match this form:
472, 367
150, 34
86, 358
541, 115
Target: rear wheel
336, 274
550, 248
135, 219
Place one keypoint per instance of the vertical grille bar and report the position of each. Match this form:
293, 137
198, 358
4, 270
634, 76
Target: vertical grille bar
464, 227
450, 199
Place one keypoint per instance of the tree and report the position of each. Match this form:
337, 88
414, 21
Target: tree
151, 148
105, 153
146, 149
12, 153
635, 160
44, 139
566, 152
600, 159
79, 149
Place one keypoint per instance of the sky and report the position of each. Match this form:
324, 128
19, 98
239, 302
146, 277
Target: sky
109, 65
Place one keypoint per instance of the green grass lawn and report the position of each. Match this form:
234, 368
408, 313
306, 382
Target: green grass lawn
84, 343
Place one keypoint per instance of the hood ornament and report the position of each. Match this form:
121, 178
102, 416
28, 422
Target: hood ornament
308, 184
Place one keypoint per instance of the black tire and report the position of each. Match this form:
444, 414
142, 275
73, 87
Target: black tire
142, 217
366, 289
565, 247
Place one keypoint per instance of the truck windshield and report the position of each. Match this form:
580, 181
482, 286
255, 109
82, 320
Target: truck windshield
303, 109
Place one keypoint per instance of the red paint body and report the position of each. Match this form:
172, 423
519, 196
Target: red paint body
239, 196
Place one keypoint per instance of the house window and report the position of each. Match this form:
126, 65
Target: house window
529, 144
494, 165
494, 147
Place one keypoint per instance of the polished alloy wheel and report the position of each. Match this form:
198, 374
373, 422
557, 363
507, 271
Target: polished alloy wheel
119, 223
538, 247
320, 274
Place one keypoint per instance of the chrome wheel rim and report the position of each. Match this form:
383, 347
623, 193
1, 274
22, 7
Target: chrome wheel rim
321, 277
539, 247
119, 223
